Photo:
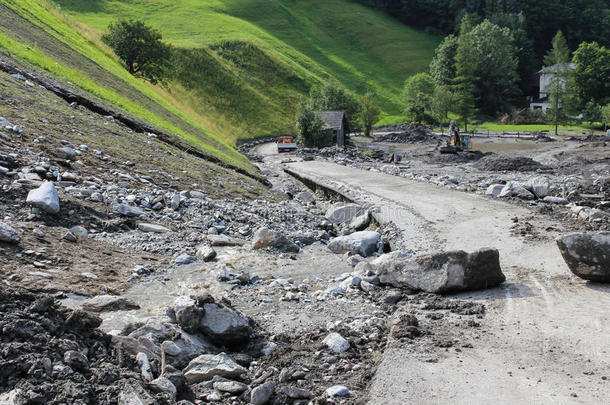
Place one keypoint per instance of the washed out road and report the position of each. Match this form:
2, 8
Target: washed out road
545, 337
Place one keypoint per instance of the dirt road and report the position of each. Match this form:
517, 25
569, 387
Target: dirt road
545, 336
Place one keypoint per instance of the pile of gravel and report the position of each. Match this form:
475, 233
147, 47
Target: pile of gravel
500, 163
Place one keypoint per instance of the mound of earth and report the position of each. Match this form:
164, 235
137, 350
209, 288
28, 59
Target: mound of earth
500, 163
50, 354
406, 133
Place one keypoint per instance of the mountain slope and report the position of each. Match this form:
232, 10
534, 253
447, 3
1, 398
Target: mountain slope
243, 64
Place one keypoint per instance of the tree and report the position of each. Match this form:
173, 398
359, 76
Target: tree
418, 92
556, 60
591, 76
369, 112
442, 67
309, 127
442, 101
332, 96
464, 84
606, 115
140, 48
592, 113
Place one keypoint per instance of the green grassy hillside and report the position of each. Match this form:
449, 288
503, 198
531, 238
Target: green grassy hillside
246, 63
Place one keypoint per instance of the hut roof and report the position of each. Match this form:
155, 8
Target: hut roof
332, 119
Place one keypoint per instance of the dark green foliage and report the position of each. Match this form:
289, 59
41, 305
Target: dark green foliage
419, 89
591, 76
140, 48
592, 113
333, 96
369, 112
442, 67
556, 60
309, 128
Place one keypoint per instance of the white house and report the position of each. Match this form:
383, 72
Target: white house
545, 75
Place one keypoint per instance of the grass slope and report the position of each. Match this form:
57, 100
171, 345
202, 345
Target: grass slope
246, 63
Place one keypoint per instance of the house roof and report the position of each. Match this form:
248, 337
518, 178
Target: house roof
332, 119
552, 68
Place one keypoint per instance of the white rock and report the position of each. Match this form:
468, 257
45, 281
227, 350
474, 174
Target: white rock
337, 391
494, 189
343, 213
336, 342
146, 227
364, 243
44, 197
514, 189
8, 234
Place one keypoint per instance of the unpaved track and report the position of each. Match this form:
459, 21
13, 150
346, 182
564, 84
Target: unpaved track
546, 335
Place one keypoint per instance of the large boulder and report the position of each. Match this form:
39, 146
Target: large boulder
266, 238
539, 186
105, 303
364, 243
343, 213
441, 272
44, 197
205, 253
587, 255
129, 211
206, 366
515, 189
8, 234
224, 325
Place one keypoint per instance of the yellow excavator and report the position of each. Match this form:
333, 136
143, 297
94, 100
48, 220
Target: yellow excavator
456, 143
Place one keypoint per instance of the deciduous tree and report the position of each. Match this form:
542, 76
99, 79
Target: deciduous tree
556, 60
369, 112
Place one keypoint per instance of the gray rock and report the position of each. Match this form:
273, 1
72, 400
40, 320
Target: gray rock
188, 313
154, 228
539, 186
305, 197
14, 397
206, 366
184, 259
144, 364
494, 189
336, 342
206, 253
224, 240
587, 255
66, 153
555, 200
106, 303
343, 213
266, 238
163, 384
70, 237
80, 230
76, 360
129, 211
8, 234
337, 391
296, 393
441, 272
232, 387
514, 189
364, 243
224, 325
44, 197
261, 394
361, 222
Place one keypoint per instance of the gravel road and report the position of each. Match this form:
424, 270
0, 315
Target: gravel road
545, 337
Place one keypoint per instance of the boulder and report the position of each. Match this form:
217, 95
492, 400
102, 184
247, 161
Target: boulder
305, 197
555, 200
188, 313
224, 325
587, 255
538, 185
441, 272
206, 253
337, 391
66, 153
44, 197
494, 189
261, 394
146, 227
515, 189
8, 234
232, 387
163, 384
184, 259
129, 211
336, 342
106, 303
343, 213
266, 238
361, 222
224, 240
206, 366
363, 243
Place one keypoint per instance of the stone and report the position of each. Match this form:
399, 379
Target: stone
76, 360
206, 253
494, 189
163, 384
80, 230
70, 237
305, 197
188, 313
66, 153
184, 259
361, 222
296, 393
44, 197
261, 394
224, 240
538, 185
337, 391
153, 228
107, 303
587, 255
8, 234
144, 364
266, 238
343, 213
129, 211
441, 272
555, 200
224, 325
232, 387
336, 342
206, 366
515, 189
363, 243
